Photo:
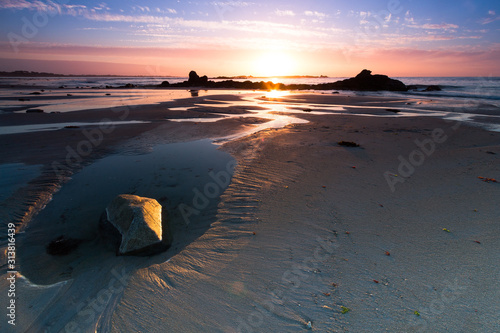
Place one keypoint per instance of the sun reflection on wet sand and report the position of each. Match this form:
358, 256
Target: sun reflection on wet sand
277, 93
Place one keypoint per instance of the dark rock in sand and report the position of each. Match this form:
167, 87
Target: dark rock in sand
165, 84
62, 246
365, 81
36, 93
348, 144
433, 88
34, 111
24, 99
138, 222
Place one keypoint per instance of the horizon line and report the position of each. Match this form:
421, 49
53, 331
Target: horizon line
221, 77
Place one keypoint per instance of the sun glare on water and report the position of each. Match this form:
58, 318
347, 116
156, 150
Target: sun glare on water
274, 64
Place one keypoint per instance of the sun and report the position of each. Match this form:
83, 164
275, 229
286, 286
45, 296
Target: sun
274, 64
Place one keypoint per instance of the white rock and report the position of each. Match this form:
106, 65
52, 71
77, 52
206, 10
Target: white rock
138, 220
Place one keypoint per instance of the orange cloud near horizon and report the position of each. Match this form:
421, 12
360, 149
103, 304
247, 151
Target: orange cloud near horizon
87, 60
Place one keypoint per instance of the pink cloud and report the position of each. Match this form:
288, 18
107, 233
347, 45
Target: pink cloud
333, 62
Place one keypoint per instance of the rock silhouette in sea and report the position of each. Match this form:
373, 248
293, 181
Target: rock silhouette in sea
195, 80
364, 81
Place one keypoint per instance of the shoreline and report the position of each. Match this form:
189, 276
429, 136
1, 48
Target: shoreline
293, 185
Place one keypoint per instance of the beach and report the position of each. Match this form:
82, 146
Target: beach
390, 231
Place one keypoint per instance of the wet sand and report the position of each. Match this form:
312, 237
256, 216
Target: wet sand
397, 235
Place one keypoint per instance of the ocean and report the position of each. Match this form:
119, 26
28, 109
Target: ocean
483, 88
461, 97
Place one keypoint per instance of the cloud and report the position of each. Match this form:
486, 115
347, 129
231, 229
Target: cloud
17, 4
443, 26
141, 8
316, 14
428, 26
492, 18
231, 4
102, 6
377, 19
432, 38
164, 11
489, 20
75, 6
262, 27
284, 12
409, 18
48, 6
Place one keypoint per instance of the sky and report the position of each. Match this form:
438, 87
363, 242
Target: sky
261, 38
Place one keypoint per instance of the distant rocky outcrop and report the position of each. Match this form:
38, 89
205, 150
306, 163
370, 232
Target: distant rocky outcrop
432, 88
138, 223
423, 88
364, 81
127, 86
